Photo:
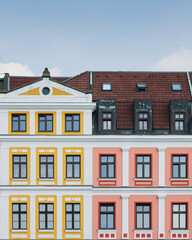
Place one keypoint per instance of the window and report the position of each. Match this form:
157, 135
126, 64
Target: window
143, 216
179, 121
107, 121
106, 87
179, 166
19, 166
46, 91
73, 166
46, 216
179, 215
18, 122
176, 87
19, 216
143, 121
45, 122
143, 166
141, 87
107, 216
72, 123
72, 215
107, 166
46, 166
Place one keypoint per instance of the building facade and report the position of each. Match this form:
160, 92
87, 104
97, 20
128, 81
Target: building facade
103, 155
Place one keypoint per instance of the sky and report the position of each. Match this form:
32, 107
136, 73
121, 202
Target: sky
73, 36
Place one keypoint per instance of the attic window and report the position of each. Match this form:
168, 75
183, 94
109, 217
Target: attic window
46, 91
141, 87
106, 87
176, 87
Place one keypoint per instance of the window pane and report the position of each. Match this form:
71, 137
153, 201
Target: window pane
15, 217
145, 125
23, 217
111, 159
103, 221
69, 159
23, 159
42, 207
175, 171
146, 220
15, 126
140, 125
76, 158
23, 171
22, 126
77, 225
24, 225
182, 220
76, 170
103, 171
175, 221
76, 217
146, 208
49, 126
42, 225
49, 117
104, 125
69, 217
103, 208
182, 207
182, 171
175, 159
139, 208
175, 207
42, 158
15, 225
177, 125
69, 170
15, 207
103, 159
110, 220
50, 207
111, 171
76, 207
139, 170
42, 126
49, 217
50, 171
147, 159
76, 117
183, 159
147, 170
68, 207
181, 125
16, 170
41, 217
139, 220
43, 170
23, 207
139, 159
109, 125
76, 126
69, 225
110, 208
50, 158
68, 126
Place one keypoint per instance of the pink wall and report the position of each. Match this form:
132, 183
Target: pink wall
118, 166
168, 163
168, 212
96, 200
154, 166
153, 200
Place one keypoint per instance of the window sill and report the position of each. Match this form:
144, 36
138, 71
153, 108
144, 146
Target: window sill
143, 231
179, 179
46, 230
143, 179
46, 179
19, 230
73, 179
179, 231
106, 230
19, 179
107, 179
72, 230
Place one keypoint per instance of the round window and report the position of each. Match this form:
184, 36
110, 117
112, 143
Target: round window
46, 91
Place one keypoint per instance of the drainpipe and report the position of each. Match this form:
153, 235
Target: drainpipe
189, 81
90, 79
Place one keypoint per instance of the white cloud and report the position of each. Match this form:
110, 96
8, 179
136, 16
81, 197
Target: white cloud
55, 72
178, 61
15, 69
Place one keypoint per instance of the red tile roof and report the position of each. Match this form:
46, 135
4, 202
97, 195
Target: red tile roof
16, 82
124, 91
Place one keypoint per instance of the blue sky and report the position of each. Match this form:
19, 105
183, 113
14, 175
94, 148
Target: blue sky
72, 36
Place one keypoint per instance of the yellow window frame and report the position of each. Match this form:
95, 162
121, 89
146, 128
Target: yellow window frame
19, 199
46, 199
19, 151
46, 151
37, 123
10, 123
73, 199
73, 151
81, 124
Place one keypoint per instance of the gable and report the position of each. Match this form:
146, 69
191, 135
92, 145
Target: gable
36, 91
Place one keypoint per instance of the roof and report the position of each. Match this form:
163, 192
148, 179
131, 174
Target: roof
16, 81
124, 91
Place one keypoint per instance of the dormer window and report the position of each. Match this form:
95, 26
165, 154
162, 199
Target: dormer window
106, 87
176, 87
179, 121
141, 87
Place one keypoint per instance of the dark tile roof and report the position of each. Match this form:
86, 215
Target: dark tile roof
16, 82
124, 91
